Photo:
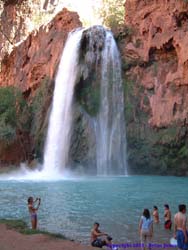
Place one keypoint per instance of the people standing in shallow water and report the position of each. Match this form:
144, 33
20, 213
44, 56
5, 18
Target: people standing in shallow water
167, 217
180, 230
96, 233
155, 214
33, 211
146, 228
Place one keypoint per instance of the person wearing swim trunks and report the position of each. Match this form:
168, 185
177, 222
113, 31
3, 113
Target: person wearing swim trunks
33, 211
95, 234
146, 228
167, 217
180, 230
155, 214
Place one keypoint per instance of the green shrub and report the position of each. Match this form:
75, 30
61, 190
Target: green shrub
183, 152
7, 132
14, 113
89, 99
39, 108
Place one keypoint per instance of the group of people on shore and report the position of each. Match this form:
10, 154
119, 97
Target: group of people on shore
145, 225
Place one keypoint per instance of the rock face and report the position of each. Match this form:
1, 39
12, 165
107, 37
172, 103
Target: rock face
161, 26
13, 18
155, 60
153, 45
31, 67
38, 56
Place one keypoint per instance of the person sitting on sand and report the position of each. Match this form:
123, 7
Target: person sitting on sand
146, 228
167, 217
96, 233
33, 211
155, 214
180, 230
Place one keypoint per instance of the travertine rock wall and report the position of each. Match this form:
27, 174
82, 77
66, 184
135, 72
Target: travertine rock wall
153, 46
38, 56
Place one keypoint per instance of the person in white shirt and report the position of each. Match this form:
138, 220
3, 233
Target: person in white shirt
146, 228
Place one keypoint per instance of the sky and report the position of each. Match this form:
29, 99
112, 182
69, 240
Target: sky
85, 8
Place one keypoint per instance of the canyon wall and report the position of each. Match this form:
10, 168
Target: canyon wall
153, 46
31, 68
38, 56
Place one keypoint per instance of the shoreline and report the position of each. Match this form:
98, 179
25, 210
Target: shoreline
15, 234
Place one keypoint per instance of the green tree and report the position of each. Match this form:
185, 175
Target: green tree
112, 13
14, 113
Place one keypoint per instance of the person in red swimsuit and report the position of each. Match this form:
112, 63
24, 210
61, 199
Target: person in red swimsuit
167, 217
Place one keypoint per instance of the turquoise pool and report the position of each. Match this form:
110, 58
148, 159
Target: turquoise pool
71, 206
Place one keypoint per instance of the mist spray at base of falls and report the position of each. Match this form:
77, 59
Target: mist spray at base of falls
109, 123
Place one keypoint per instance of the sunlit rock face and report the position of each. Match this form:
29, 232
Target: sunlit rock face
155, 61
161, 38
32, 67
20, 17
38, 56
13, 25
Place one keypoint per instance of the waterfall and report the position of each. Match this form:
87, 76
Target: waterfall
110, 125
99, 48
59, 128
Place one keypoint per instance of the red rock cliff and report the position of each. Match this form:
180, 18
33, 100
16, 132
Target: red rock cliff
160, 42
38, 56
153, 46
31, 64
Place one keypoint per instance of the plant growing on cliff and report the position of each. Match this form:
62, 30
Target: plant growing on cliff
112, 13
13, 113
39, 109
7, 132
89, 98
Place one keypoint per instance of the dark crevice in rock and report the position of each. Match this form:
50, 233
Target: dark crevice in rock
12, 2
166, 55
181, 19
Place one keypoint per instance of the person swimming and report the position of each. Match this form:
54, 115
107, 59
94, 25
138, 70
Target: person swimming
180, 230
155, 214
146, 228
33, 211
167, 217
96, 233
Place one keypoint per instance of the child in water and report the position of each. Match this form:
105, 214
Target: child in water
33, 211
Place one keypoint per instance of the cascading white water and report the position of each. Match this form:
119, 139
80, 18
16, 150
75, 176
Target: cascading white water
59, 128
100, 52
110, 122
110, 125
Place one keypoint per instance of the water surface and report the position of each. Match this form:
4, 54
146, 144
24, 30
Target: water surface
71, 206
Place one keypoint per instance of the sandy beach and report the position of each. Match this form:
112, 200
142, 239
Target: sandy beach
10, 239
